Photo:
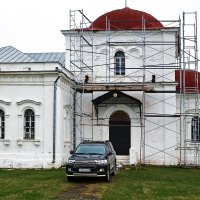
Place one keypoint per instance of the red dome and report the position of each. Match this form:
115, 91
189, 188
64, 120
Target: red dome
126, 19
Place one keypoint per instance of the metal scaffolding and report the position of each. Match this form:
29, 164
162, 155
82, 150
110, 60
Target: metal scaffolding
189, 146
82, 65
81, 44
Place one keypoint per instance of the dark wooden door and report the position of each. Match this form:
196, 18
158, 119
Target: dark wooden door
119, 132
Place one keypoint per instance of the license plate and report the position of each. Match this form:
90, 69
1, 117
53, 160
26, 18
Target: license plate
84, 170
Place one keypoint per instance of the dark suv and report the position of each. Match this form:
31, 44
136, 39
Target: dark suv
92, 159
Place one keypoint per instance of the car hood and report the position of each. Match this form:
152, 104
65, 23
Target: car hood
87, 157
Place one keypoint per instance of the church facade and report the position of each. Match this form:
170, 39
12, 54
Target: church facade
119, 80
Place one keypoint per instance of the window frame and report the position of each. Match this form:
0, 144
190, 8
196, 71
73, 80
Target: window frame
195, 129
2, 124
29, 124
120, 63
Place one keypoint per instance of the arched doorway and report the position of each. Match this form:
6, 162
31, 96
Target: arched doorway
119, 132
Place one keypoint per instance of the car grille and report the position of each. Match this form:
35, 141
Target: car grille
85, 163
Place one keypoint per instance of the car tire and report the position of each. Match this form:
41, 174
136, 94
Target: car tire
70, 179
114, 170
108, 174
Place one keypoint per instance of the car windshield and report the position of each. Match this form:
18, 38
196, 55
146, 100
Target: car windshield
90, 149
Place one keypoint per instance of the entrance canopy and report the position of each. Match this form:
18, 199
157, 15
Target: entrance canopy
115, 97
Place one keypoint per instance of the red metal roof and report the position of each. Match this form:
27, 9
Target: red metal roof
191, 79
126, 19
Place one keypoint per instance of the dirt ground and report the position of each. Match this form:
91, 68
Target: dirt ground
84, 189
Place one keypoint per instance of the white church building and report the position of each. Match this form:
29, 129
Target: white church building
125, 77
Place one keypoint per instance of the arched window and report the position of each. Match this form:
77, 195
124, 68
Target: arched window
195, 135
29, 124
119, 63
2, 124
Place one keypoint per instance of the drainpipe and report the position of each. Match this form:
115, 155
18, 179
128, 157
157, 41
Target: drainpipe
74, 120
54, 118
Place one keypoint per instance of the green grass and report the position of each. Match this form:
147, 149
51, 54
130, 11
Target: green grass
130, 183
31, 184
155, 183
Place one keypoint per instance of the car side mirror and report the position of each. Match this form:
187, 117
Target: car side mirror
71, 151
110, 153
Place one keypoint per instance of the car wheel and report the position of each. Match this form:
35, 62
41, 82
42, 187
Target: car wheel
114, 170
70, 179
108, 174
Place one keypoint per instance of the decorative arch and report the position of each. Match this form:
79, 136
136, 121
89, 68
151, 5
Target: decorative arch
132, 113
135, 53
119, 115
123, 49
104, 51
28, 107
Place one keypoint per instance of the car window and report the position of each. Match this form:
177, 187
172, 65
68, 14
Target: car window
109, 148
90, 149
110, 144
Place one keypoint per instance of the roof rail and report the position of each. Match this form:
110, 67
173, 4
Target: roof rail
95, 141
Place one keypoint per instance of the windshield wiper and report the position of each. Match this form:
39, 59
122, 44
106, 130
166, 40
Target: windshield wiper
80, 153
95, 153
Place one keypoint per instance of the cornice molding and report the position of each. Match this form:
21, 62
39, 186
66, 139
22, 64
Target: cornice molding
5, 102
28, 101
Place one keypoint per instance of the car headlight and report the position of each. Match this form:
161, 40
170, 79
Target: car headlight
101, 161
71, 161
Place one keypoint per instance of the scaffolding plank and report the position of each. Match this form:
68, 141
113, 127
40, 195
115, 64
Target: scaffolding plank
88, 88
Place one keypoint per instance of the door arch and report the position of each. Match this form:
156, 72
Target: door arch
119, 132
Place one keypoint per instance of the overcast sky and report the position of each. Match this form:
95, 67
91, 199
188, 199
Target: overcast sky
34, 25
